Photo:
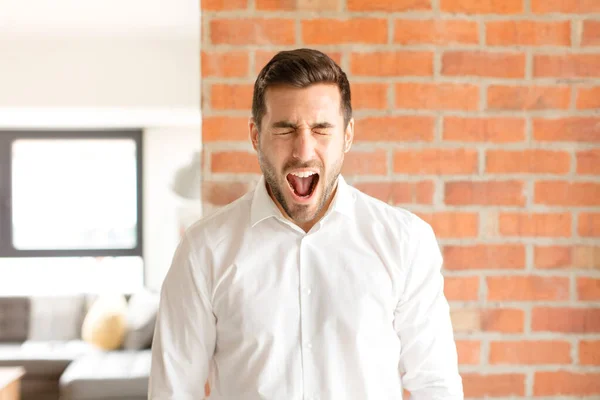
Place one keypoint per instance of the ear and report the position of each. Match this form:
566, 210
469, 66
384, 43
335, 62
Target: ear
349, 135
253, 130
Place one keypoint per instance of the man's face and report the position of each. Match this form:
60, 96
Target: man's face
301, 147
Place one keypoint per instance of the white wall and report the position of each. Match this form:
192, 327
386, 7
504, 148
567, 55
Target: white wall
99, 72
165, 150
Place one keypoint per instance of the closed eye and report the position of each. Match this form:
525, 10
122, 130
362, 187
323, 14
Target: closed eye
322, 128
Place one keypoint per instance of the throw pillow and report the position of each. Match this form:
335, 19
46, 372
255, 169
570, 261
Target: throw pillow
141, 317
105, 324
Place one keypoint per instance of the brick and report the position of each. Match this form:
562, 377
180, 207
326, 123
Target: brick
566, 320
528, 97
222, 193
436, 161
466, 320
587, 257
392, 63
255, 31
528, 33
591, 33
484, 257
485, 193
435, 31
437, 96
588, 289
450, 224
570, 129
530, 352
566, 383
394, 129
262, 57
504, 320
588, 98
566, 66
557, 193
493, 385
369, 96
589, 224
224, 64
231, 96
223, 5
399, 192
390, 6
562, 6
588, 162
344, 31
239, 162
225, 129
482, 6
589, 352
468, 352
535, 224
552, 257
527, 288
298, 5
461, 288
365, 163
491, 130
471, 320
481, 63
527, 162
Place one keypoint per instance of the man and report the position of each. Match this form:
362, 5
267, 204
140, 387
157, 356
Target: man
305, 288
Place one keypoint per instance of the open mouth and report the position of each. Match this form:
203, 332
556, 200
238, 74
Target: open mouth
303, 184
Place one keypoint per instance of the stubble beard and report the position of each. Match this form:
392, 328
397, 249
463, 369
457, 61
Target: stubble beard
300, 213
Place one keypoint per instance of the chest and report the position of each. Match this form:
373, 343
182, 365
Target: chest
313, 280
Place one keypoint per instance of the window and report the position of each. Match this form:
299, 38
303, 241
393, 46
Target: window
70, 193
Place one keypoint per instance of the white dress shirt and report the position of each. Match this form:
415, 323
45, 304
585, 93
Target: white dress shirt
353, 309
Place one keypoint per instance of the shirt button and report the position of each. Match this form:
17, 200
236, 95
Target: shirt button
309, 345
308, 292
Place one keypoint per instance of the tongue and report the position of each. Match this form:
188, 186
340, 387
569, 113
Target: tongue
301, 185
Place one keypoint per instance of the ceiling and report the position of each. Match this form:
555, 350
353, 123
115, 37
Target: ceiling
162, 18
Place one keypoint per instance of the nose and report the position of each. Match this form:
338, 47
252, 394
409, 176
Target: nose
304, 145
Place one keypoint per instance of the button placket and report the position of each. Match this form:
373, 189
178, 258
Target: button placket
306, 292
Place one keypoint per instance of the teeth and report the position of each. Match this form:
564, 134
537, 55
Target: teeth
303, 174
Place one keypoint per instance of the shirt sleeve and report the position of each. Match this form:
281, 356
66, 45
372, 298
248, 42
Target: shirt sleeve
428, 357
185, 330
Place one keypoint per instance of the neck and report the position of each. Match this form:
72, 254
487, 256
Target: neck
307, 225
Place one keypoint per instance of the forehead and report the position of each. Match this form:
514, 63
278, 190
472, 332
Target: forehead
316, 101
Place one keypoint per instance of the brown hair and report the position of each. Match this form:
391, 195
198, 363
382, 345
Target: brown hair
300, 68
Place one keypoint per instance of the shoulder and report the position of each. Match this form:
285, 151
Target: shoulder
220, 224
401, 220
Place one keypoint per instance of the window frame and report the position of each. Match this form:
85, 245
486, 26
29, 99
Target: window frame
7, 138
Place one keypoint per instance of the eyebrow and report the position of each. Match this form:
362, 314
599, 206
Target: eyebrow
287, 124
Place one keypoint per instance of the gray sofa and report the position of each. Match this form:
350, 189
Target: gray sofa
43, 334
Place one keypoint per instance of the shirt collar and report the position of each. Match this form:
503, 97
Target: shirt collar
264, 207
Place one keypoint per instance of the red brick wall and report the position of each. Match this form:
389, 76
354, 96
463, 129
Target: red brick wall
482, 117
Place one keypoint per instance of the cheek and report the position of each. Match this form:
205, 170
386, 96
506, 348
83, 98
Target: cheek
332, 153
276, 154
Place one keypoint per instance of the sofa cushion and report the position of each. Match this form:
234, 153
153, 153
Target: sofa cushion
141, 318
105, 323
14, 318
56, 317
43, 359
115, 374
